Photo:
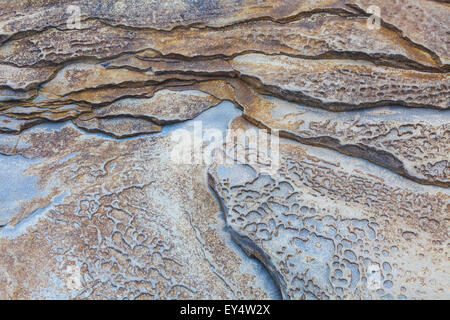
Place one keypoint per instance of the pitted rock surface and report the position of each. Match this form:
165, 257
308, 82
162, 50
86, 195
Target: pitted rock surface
97, 97
330, 227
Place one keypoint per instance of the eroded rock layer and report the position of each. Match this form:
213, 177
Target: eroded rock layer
343, 84
98, 98
115, 219
415, 143
327, 226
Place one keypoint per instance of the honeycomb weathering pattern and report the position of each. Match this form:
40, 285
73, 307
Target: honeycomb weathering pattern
95, 207
324, 34
329, 227
415, 143
421, 22
343, 84
119, 221
164, 107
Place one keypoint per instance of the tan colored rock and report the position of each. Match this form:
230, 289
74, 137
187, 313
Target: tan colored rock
414, 143
94, 204
318, 35
329, 226
210, 66
422, 22
56, 45
49, 112
23, 16
23, 78
12, 125
78, 77
164, 107
110, 94
343, 84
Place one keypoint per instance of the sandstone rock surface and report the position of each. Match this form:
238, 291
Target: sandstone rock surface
127, 171
329, 227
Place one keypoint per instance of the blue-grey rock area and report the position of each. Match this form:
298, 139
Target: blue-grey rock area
224, 149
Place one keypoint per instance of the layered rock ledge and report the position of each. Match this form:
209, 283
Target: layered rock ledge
96, 98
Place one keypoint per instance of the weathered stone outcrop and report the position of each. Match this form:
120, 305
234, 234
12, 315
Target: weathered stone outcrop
164, 107
328, 226
421, 22
115, 219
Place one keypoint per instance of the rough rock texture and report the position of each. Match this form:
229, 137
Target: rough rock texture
327, 226
319, 35
23, 78
12, 125
411, 142
7, 94
93, 116
82, 76
422, 22
117, 127
164, 107
415, 143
